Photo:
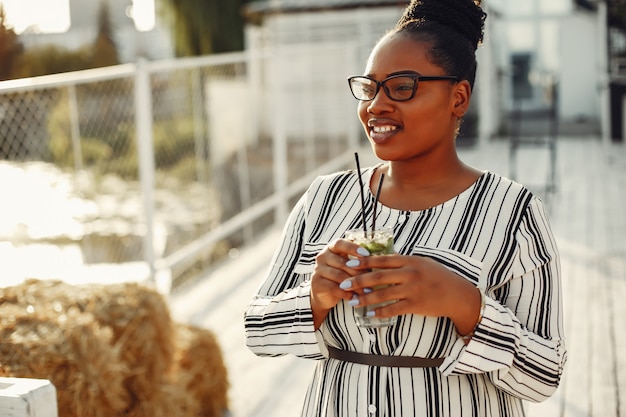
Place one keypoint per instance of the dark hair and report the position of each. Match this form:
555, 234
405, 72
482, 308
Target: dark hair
454, 28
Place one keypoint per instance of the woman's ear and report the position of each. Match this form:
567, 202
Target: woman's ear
462, 94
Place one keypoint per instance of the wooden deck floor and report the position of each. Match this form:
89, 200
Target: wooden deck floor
588, 215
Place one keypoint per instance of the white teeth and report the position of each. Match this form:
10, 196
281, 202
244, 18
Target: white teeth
383, 129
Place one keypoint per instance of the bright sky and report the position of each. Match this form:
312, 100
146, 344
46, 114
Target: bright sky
52, 16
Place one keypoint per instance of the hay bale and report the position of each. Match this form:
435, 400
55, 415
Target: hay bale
170, 401
143, 331
71, 350
110, 350
138, 316
198, 385
201, 370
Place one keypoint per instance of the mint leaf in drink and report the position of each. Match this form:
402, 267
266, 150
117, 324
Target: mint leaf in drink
379, 248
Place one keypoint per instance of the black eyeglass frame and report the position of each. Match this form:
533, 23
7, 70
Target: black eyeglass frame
416, 80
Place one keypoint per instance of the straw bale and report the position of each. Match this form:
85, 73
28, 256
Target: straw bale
137, 315
171, 400
143, 330
110, 350
201, 369
68, 348
198, 386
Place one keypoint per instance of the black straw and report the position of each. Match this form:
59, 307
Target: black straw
358, 171
380, 186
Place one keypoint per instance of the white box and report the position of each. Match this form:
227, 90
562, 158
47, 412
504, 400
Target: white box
26, 397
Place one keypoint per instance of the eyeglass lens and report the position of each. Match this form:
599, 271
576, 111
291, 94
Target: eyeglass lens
397, 88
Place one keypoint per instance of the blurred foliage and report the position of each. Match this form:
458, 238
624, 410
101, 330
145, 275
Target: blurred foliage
10, 47
105, 50
99, 149
186, 169
199, 27
173, 140
51, 59
203, 27
112, 148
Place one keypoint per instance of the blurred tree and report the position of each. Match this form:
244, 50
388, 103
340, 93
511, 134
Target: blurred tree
10, 47
105, 50
203, 27
50, 59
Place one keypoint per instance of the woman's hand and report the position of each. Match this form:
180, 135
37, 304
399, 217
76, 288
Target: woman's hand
420, 285
330, 271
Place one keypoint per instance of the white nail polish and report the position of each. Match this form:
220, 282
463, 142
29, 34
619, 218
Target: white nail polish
353, 263
362, 251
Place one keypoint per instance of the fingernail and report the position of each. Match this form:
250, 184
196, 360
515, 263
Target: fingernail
355, 301
345, 284
353, 263
367, 290
362, 251
370, 313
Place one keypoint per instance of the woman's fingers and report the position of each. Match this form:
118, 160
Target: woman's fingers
346, 248
370, 279
341, 256
417, 285
391, 269
331, 268
382, 262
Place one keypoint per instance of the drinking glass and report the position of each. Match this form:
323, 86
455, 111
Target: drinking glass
379, 242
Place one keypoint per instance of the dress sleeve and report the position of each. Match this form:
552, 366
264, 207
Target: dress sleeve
279, 319
519, 341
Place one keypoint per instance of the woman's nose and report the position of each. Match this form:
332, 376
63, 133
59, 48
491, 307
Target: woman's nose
381, 103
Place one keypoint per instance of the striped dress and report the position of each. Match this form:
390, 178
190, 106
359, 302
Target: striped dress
495, 234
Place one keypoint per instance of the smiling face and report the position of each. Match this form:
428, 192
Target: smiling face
401, 130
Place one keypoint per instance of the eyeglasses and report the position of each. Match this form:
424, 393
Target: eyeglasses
399, 87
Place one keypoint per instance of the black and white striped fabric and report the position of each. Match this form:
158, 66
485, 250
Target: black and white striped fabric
495, 234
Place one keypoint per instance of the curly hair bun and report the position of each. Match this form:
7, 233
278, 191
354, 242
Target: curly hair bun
464, 16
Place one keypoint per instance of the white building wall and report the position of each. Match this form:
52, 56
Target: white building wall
562, 42
486, 94
579, 68
312, 54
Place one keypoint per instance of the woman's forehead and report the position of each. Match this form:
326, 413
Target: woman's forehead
395, 53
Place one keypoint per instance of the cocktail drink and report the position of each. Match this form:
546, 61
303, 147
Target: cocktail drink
379, 242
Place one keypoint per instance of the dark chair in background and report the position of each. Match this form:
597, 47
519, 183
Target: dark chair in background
535, 127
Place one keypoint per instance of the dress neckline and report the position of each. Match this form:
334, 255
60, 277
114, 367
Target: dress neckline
461, 196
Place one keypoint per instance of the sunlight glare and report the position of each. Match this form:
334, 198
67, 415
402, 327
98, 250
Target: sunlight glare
142, 12
39, 16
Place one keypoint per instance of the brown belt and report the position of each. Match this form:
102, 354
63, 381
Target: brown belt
384, 360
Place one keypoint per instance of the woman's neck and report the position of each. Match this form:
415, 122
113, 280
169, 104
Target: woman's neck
411, 186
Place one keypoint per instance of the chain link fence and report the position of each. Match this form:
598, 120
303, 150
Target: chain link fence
165, 167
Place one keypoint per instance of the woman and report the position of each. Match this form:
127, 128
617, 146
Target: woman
476, 279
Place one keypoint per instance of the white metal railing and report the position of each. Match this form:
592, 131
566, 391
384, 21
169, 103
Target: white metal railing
186, 256
145, 123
